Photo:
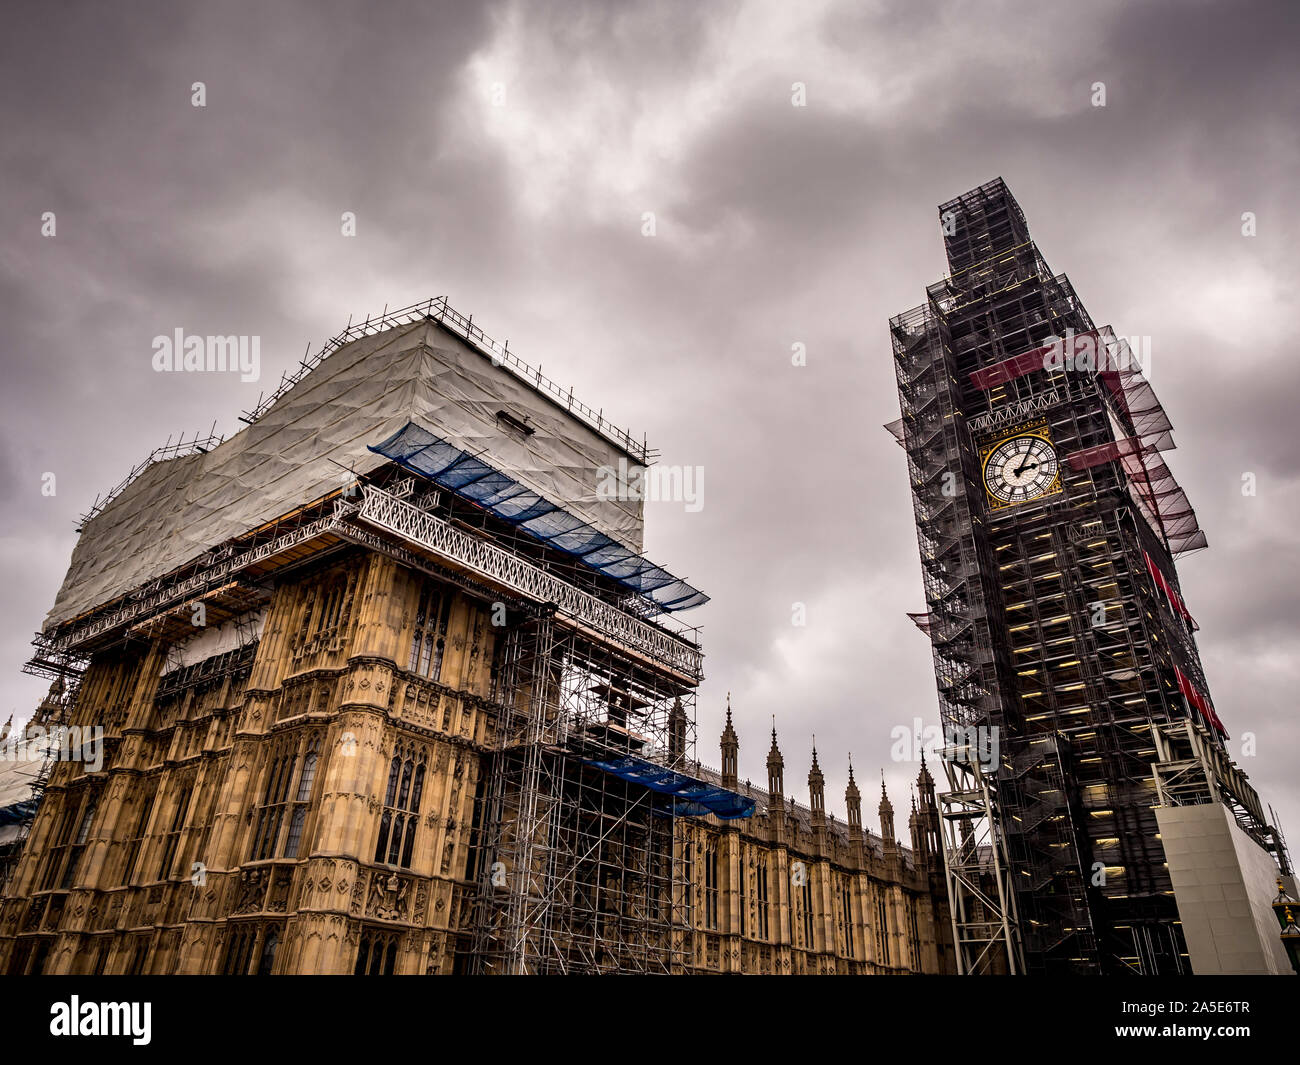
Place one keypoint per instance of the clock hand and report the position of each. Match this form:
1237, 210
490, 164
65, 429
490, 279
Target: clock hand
1024, 466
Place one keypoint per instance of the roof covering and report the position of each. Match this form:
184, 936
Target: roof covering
18, 778
417, 449
695, 797
176, 510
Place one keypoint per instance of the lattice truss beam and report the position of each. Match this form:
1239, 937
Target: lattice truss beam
977, 869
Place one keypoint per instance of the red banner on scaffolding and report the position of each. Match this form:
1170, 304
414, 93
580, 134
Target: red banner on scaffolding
1203, 705
1062, 353
1101, 453
1162, 583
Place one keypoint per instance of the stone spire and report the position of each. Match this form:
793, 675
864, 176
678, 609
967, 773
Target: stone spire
925, 784
775, 770
817, 790
730, 752
916, 829
886, 814
928, 811
853, 801
677, 733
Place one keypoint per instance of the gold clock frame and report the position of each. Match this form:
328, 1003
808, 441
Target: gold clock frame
1037, 428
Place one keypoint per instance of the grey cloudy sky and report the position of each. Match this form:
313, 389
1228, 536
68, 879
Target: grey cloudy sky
505, 154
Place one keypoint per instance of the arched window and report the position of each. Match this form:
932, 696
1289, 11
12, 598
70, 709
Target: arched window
139, 959
711, 884
882, 928
292, 772
429, 639
70, 839
239, 950
267, 963
179, 813
742, 887
808, 915
401, 815
327, 607
305, 780
914, 934
846, 905
377, 955
145, 806
247, 943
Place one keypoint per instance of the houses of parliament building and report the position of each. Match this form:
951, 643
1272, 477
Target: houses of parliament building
384, 685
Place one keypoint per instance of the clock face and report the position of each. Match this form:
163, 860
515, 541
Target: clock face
1021, 468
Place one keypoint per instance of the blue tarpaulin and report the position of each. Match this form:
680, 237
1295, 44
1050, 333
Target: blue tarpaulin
415, 448
695, 797
18, 812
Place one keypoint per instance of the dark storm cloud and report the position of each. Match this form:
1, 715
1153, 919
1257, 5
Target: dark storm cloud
775, 225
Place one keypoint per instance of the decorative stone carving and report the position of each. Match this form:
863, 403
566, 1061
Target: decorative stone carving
252, 889
34, 916
280, 890
387, 899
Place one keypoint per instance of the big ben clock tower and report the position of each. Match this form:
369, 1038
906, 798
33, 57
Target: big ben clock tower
1064, 652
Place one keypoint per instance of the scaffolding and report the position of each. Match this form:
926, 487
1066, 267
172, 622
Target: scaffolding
578, 858
580, 864
579, 869
1056, 624
195, 445
64, 671
1192, 769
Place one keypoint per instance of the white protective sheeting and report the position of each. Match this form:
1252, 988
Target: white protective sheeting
213, 640
296, 452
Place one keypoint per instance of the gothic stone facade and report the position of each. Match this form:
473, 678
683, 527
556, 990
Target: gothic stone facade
793, 890
306, 802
